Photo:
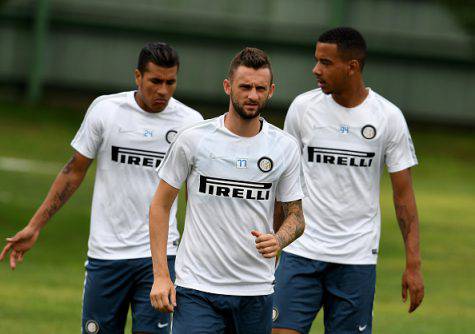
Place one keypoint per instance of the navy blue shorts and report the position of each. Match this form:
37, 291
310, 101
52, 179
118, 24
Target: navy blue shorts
112, 286
303, 286
200, 312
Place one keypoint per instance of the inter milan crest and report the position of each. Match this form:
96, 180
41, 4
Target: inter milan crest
170, 136
265, 164
368, 131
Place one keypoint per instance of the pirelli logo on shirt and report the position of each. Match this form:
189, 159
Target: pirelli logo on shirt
340, 157
132, 156
235, 189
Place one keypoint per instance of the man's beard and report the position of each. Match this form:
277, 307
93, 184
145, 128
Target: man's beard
247, 115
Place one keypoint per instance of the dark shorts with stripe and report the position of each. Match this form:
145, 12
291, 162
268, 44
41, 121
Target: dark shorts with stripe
112, 286
200, 312
304, 286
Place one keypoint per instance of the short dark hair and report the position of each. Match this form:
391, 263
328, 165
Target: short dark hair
350, 43
250, 57
161, 54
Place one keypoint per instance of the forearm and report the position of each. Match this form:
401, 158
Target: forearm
293, 225
406, 213
65, 184
278, 216
159, 220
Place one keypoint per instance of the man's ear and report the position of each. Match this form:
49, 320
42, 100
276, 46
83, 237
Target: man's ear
227, 86
138, 77
353, 67
271, 90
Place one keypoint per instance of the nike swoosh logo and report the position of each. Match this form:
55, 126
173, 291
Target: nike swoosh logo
160, 325
126, 131
362, 328
212, 156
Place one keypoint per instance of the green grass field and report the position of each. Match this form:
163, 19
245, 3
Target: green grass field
44, 294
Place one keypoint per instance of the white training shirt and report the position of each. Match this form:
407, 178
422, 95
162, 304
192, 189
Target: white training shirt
128, 144
232, 184
344, 151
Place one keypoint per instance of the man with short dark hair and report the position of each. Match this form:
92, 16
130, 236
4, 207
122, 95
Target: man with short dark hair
235, 166
347, 133
129, 134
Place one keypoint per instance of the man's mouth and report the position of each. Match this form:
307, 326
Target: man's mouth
321, 83
251, 105
160, 101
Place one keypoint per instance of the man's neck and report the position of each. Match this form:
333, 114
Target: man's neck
138, 99
142, 105
241, 127
351, 97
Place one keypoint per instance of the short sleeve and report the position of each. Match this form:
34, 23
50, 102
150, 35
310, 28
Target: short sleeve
191, 119
291, 186
89, 136
177, 163
197, 117
292, 122
399, 152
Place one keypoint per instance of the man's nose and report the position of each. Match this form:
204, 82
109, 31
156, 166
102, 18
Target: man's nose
161, 89
253, 94
317, 69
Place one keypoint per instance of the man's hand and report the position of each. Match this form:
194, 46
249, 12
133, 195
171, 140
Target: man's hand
412, 281
163, 295
408, 220
267, 244
65, 184
19, 245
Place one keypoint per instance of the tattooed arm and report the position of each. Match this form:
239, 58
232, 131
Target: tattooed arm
290, 229
293, 225
65, 184
278, 215
406, 213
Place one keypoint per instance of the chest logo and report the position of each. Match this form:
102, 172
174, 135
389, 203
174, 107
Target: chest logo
132, 156
241, 163
368, 131
170, 136
334, 156
265, 164
234, 188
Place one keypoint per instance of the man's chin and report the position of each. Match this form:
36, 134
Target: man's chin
249, 114
158, 107
246, 112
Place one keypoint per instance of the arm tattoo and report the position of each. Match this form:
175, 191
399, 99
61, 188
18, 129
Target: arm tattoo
293, 225
70, 176
59, 199
404, 219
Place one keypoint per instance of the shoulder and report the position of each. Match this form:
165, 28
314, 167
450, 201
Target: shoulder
387, 109
311, 97
302, 102
283, 138
117, 99
185, 111
196, 131
105, 104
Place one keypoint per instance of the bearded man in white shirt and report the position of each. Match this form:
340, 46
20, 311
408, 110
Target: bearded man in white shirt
235, 166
